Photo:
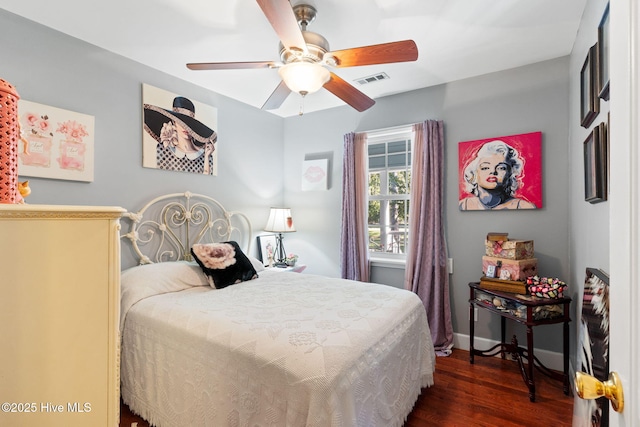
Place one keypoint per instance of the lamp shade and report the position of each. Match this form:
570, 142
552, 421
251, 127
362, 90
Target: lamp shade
280, 221
304, 77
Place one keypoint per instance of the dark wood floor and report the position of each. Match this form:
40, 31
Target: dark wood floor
488, 393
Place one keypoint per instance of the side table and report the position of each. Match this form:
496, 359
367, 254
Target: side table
298, 268
529, 311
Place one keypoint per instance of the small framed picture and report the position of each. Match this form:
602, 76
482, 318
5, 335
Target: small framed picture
314, 175
267, 248
491, 271
589, 101
595, 165
505, 275
603, 56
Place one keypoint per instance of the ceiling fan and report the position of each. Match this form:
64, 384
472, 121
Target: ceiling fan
305, 55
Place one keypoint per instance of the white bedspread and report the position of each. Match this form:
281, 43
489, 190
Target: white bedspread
285, 349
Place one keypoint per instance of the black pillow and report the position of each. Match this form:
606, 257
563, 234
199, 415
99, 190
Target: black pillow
224, 263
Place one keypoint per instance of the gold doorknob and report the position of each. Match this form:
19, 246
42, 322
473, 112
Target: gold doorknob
588, 387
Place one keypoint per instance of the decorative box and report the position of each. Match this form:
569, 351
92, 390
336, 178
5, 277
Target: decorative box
511, 286
518, 269
510, 249
497, 236
545, 287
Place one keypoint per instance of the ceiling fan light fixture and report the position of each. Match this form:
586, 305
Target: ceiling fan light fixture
304, 77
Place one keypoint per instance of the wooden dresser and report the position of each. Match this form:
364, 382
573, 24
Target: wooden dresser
59, 309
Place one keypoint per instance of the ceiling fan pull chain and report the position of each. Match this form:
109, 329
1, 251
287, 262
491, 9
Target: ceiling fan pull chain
301, 112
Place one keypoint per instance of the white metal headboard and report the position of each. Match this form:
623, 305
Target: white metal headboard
168, 226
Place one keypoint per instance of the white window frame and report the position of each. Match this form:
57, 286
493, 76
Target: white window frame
376, 137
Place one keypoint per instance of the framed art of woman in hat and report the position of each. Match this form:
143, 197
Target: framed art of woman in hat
182, 142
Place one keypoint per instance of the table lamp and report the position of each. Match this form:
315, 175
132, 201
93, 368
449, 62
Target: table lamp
280, 221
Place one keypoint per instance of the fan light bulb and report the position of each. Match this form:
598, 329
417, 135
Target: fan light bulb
304, 77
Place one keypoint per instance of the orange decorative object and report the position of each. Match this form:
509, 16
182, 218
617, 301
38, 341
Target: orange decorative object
9, 137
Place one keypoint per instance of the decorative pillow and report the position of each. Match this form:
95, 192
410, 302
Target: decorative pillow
224, 263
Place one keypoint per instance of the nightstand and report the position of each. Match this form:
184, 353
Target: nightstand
298, 268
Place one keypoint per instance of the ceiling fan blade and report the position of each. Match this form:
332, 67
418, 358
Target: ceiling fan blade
284, 22
385, 53
231, 65
348, 93
277, 97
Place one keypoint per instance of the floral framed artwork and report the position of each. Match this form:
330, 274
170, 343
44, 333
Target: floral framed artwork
501, 173
595, 165
56, 143
603, 55
589, 102
179, 133
267, 248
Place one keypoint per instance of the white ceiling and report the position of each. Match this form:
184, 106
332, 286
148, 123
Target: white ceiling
456, 39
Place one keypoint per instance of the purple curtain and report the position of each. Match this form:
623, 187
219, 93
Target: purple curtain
426, 269
354, 233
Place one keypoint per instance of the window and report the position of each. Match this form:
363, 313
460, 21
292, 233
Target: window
389, 170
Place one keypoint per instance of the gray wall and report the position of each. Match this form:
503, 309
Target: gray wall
71, 74
51, 68
527, 99
589, 223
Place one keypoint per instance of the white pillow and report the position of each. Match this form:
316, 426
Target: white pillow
257, 264
143, 281
165, 276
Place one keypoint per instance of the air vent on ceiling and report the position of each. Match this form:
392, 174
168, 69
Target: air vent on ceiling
373, 78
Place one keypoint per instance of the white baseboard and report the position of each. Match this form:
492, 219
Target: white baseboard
550, 359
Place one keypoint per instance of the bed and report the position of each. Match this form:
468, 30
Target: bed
276, 349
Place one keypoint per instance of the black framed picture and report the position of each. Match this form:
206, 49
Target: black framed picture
607, 131
589, 102
603, 56
595, 165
